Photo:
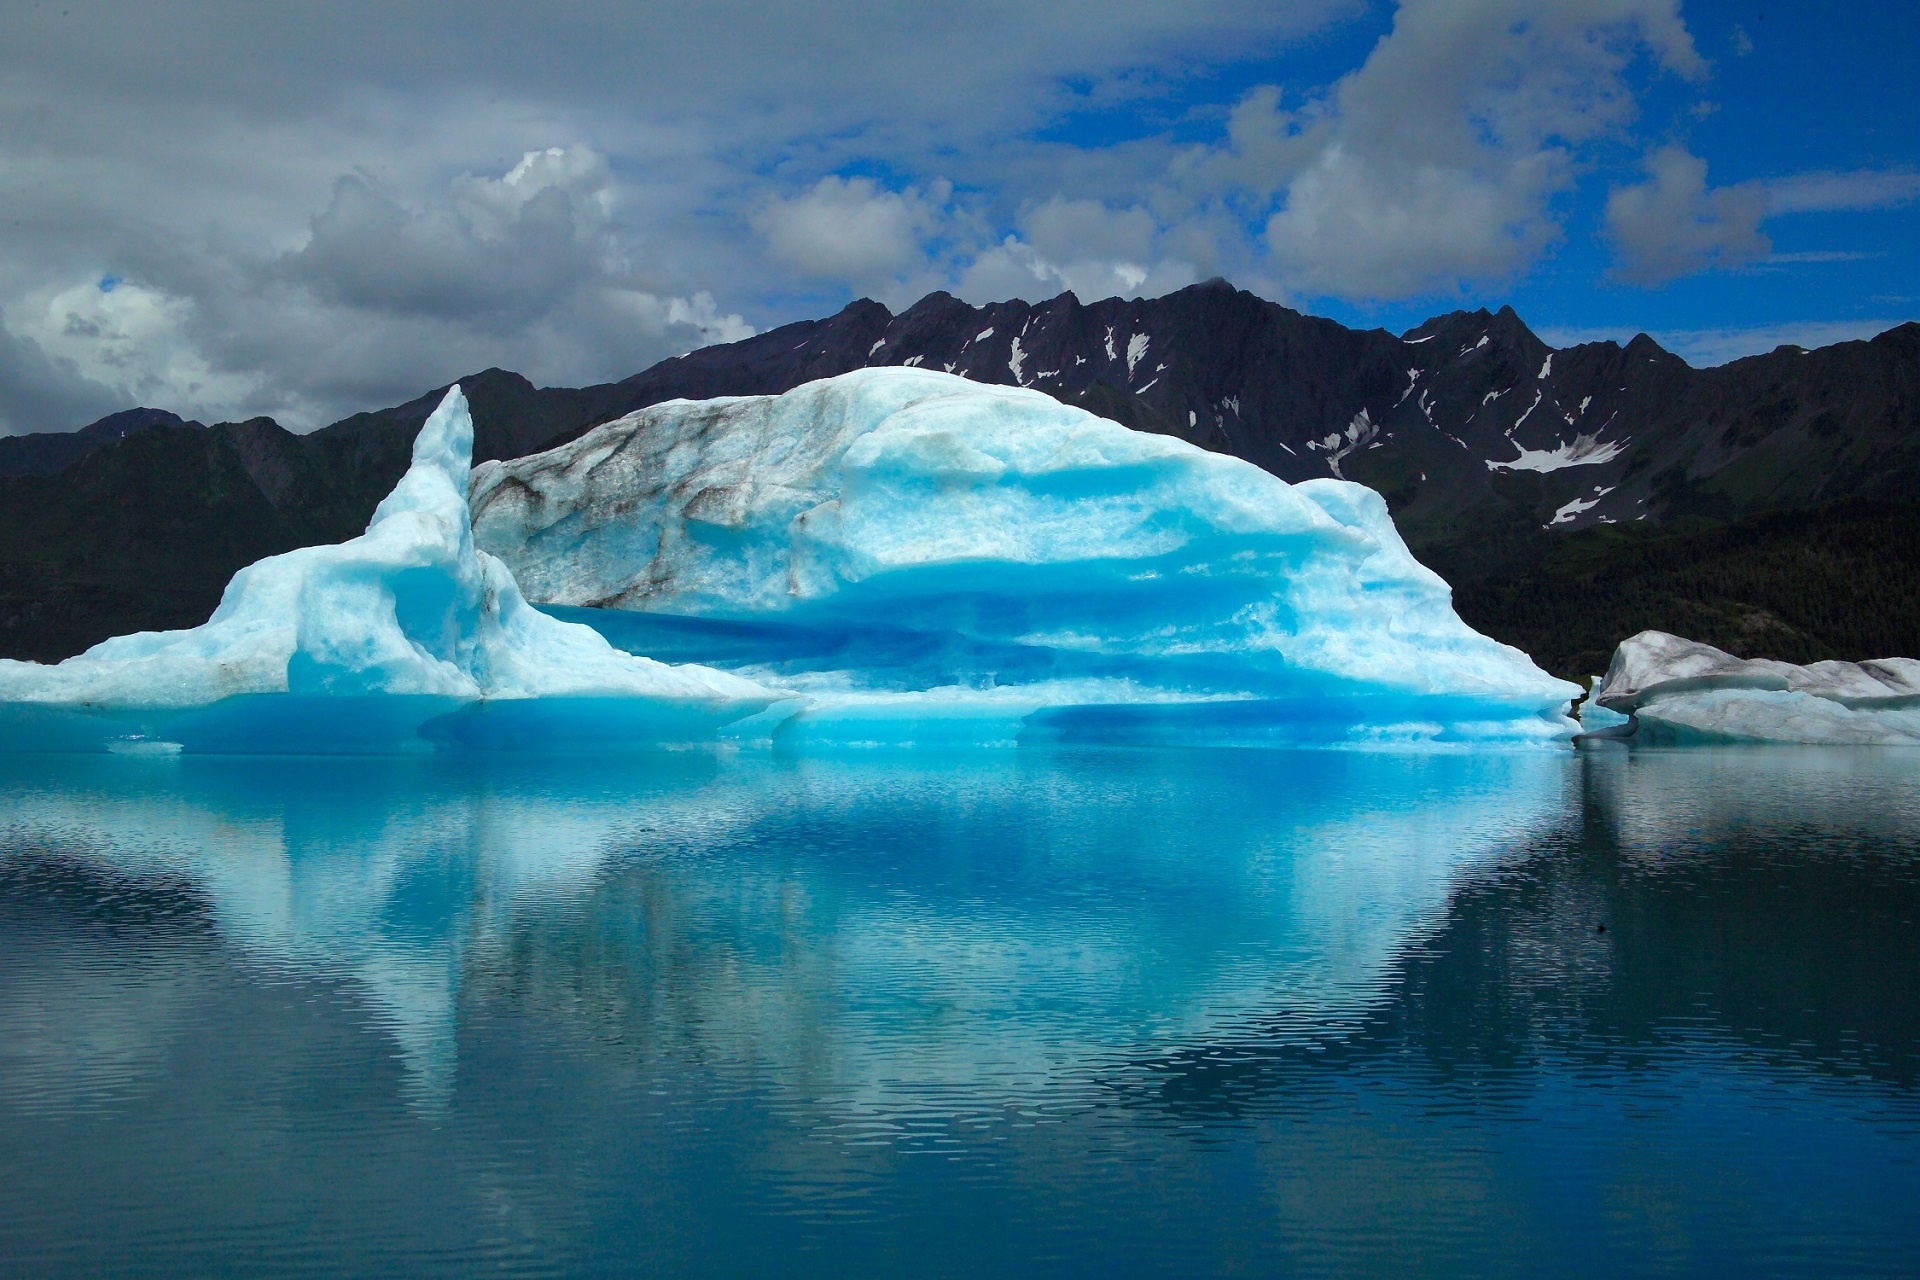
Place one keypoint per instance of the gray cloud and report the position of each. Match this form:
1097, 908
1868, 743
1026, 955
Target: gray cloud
529, 270
851, 229
40, 393
318, 208
1435, 162
1674, 224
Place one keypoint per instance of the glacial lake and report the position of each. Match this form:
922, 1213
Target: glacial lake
1027, 1012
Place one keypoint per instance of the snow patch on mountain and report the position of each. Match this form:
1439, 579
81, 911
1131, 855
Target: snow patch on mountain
1581, 451
1573, 509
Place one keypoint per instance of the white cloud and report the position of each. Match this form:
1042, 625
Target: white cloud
338, 206
330, 208
493, 207
851, 229
1841, 191
530, 270
1079, 245
1673, 224
135, 340
1436, 161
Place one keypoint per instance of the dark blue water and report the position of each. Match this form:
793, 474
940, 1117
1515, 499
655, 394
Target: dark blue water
1019, 1013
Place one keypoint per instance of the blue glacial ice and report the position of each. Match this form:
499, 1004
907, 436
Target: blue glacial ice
403, 638
926, 559
893, 556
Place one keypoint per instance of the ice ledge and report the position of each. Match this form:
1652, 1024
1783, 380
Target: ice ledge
1681, 690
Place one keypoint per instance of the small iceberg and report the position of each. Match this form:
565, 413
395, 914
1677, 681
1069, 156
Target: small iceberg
405, 638
1678, 690
929, 559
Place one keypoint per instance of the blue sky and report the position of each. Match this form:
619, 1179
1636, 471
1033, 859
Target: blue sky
1788, 90
309, 210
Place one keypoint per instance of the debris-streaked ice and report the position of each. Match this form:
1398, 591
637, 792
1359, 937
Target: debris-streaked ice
925, 558
401, 636
1680, 690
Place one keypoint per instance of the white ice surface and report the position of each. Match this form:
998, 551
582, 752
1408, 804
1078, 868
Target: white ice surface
1010, 557
1682, 690
405, 623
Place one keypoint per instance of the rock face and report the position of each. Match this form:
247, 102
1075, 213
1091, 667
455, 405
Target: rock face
995, 557
1678, 690
406, 624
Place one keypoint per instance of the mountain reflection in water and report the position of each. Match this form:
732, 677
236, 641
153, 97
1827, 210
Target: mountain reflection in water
1041, 1012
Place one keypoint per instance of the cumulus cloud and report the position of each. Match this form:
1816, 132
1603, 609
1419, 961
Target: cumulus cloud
1674, 224
1079, 245
897, 245
39, 392
851, 229
383, 297
330, 208
1436, 162
131, 339
321, 209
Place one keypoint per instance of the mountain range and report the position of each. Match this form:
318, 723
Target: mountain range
1572, 496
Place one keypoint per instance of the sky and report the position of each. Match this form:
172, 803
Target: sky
237, 207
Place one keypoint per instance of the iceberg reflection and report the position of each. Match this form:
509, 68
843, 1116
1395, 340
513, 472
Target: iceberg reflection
893, 935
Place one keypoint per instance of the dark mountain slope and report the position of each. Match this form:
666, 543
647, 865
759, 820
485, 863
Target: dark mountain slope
1840, 580
1466, 420
140, 536
49, 452
1564, 493
143, 535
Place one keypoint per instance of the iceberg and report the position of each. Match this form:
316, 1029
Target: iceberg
922, 558
405, 637
1678, 690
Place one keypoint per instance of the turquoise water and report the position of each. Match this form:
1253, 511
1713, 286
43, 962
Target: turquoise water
1034, 1012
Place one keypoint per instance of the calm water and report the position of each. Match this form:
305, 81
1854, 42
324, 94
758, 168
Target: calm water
1100, 1013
